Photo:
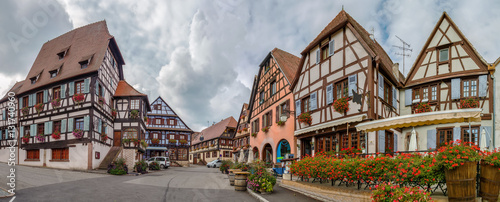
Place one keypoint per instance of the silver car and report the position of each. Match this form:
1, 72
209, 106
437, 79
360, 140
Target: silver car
214, 164
162, 160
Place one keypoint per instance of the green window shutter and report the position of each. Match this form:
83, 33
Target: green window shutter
20, 102
4, 114
71, 88
86, 123
45, 96
99, 127
51, 124
86, 85
63, 91
32, 130
1, 135
63, 125
21, 131
46, 128
70, 124
30, 101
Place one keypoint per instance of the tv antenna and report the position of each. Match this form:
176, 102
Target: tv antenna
406, 48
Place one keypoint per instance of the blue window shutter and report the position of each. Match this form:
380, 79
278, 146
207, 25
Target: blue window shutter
456, 133
99, 127
46, 128
381, 141
381, 86
353, 84
20, 102
395, 97
86, 124
455, 88
45, 96
483, 85
70, 124
318, 56
86, 85
71, 88
63, 125
30, 101
21, 131
329, 94
297, 107
331, 47
63, 91
431, 139
32, 130
4, 114
313, 99
408, 97
395, 142
1, 135
97, 87
51, 124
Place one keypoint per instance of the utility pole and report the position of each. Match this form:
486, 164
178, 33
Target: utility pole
405, 48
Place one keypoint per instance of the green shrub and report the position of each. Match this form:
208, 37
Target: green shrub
154, 165
225, 165
117, 171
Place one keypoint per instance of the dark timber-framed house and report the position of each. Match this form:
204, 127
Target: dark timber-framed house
214, 142
241, 138
167, 134
8, 122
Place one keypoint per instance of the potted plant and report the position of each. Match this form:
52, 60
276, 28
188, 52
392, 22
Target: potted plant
26, 139
113, 113
25, 110
265, 129
245, 129
183, 141
56, 103
459, 161
126, 141
78, 133
305, 118
78, 98
254, 134
56, 135
281, 123
155, 141
141, 166
40, 138
135, 141
134, 113
104, 137
39, 108
101, 100
341, 105
422, 107
469, 103
154, 165
490, 175
144, 144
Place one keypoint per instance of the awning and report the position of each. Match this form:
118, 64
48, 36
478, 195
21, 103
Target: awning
157, 148
351, 119
427, 118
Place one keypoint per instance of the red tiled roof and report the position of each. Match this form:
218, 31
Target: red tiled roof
215, 130
125, 89
90, 40
289, 63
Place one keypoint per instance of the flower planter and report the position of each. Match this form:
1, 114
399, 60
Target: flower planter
240, 181
490, 182
232, 175
461, 182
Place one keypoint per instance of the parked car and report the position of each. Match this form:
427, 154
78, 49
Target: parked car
162, 160
214, 164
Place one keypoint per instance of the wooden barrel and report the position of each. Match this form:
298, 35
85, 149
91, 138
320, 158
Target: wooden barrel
461, 182
490, 182
231, 178
240, 181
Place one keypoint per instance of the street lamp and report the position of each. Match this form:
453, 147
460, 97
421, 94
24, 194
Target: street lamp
285, 114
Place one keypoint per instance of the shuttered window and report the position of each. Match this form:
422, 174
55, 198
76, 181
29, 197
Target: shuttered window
469, 88
39, 97
60, 154
56, 93
342, 89
466, 135
444, 136
305, 104
79, 87
79, 124
33, 154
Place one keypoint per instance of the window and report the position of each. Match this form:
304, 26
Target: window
39, 97
324, 52
62, 54
171, 122
130, 133
40, 129
155, 135
443, 55
268, 65
60, 154
282, 108
434, 92
158, 107
53, 73
223, 142
182, 137
469, 88
345, 141
305, 104
134, 104
342, 89
56, 93
226, 154
33, 80
261, 98
172, 137
444, 136
466, 135
79, 87
84, 64
214, 154
158, 121
26, 131
273, 87
416, 93
57, 126
25, 101
33, 154
266, 119
255, 126
425, 93
79, 123
387, 93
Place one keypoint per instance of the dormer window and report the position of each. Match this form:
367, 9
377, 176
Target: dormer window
443, 55
33, 80
61, 55
53, 73
84, 63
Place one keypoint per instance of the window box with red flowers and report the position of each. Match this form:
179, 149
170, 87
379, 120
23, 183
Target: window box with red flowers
421, 107
341, 105
26, 139
172, 141
134, 113
265, 129
183, 141
114, 113
239, 131
242, 117
254, 134
469, 103
305, 118
101, 100
155, 141
78, 98
104, 137
25, 111
56, 135
56, 103
245, 129
39, 108
280, 123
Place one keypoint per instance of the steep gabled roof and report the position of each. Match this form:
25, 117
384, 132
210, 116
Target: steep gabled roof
90, 41
175, 114
215, 130
240, 121
371, 46
287, 62
124, 89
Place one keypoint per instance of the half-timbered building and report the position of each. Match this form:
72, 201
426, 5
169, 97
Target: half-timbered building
241, 138
214, 142
343, 63
167, 134
448, 93
8, 123
270, 121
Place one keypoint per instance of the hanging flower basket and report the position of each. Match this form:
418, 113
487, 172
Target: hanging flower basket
113, 113
469, 103
422, 107
40, 138
78, 133
155, 141
101, 100
254, 134
281, 123
25, 111
56, 135
242, 117
341, 105
135, 141
245, 129
305, 118
26, 139
134, 113
104, 137
144, 144
56, 103
239, 131
39, 108
78, 98
265, 129
183, 141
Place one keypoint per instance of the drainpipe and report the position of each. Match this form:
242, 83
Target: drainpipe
494, 108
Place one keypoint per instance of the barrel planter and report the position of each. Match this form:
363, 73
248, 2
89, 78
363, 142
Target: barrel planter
240, 181
490, 182
461, 182
231, 175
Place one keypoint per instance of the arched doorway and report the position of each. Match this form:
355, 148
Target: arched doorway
267, 154
283, 149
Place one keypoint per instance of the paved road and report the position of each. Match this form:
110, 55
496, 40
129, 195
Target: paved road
195, 183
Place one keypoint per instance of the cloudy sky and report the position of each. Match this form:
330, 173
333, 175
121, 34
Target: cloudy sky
201, 56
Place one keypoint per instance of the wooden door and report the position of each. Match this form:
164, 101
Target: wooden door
117, 138
195, 160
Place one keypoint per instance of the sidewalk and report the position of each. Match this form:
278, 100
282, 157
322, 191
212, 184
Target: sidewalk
281, 194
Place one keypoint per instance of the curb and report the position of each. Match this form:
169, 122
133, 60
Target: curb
308, 194
8, 195
257, 196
